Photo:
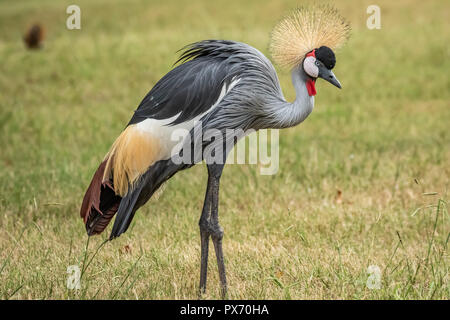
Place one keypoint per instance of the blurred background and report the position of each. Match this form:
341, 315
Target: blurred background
363, 181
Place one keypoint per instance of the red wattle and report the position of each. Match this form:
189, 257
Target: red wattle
310, 83
311, 53
311, 87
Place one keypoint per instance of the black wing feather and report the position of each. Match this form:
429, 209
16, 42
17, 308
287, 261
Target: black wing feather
192, 87
155, 176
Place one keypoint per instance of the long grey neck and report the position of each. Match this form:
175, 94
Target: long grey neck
289, 114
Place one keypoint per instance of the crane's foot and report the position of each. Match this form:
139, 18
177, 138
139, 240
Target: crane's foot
217, 241
216, 234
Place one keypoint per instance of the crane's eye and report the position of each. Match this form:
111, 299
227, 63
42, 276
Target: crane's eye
317, 63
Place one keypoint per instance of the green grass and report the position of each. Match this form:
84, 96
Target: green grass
383, 141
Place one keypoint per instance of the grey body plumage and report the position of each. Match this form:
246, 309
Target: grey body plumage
256, 102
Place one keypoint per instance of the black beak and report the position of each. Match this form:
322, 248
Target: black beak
329, 76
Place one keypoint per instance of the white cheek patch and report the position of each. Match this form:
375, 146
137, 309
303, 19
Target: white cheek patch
310, 67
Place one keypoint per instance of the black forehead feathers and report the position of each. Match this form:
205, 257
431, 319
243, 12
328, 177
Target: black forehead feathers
326, 56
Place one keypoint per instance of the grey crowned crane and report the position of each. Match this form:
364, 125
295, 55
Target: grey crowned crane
218, 85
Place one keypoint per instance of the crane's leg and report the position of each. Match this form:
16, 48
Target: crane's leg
204, 234
216, 231
209, 227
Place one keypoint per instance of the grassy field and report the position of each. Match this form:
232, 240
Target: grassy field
363, 181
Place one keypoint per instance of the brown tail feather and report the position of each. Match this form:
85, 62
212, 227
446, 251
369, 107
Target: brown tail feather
100, 203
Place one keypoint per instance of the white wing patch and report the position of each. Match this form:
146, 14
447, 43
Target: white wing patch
161, 130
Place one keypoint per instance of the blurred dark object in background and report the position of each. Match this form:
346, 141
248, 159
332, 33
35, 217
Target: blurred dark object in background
34, 37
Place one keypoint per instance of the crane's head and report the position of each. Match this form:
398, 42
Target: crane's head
318, 64
295, 37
